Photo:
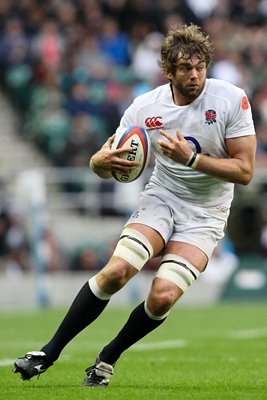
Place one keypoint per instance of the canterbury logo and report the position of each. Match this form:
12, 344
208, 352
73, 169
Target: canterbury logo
154, 122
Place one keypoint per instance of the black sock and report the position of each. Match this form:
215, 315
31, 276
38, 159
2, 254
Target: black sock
85, 308
138, 325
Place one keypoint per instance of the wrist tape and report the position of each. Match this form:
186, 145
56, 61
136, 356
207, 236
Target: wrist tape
193, 160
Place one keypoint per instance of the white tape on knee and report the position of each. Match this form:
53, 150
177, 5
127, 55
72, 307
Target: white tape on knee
134, 248
155, 317
177, 270
96, 289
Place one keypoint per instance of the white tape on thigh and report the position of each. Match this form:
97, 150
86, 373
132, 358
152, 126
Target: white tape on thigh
177, 270
134, 248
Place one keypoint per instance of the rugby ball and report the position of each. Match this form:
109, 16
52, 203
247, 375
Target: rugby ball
137, 138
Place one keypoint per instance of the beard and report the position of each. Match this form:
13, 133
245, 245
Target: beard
187, 91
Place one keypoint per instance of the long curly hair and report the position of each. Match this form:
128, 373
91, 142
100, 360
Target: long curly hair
184, 41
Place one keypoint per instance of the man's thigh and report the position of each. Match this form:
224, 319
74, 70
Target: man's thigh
189, 252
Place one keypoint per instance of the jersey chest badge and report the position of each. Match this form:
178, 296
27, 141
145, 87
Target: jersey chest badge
210, 117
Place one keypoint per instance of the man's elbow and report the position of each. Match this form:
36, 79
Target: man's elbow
246, 177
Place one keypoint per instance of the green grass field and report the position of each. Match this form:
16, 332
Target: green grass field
206, 353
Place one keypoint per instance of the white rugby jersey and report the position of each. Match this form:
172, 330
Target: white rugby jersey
221, 111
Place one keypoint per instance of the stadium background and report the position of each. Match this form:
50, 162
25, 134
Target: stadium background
68, 70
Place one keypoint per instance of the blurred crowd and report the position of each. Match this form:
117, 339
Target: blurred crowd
71, 67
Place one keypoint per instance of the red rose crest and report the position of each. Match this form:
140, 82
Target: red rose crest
210, 116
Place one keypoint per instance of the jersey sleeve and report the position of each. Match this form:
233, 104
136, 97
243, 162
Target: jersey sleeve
240, 117
132, 115
128, 118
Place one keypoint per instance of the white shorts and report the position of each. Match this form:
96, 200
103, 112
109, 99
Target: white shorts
181, 221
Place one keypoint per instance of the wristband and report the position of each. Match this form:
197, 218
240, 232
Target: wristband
193, 160
188, 162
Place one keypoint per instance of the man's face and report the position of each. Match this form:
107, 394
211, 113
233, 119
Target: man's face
189, 78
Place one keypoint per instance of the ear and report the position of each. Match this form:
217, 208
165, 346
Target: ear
169, 75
